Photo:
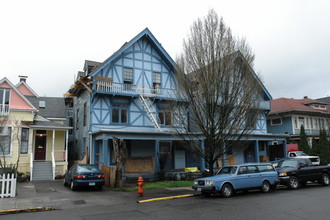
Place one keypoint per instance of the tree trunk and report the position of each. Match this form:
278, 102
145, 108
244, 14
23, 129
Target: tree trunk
119, 149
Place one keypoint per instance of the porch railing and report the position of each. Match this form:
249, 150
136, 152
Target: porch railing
130, 89
4, 109
60, 155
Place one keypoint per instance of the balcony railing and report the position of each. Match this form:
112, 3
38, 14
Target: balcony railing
130, 89
4, 109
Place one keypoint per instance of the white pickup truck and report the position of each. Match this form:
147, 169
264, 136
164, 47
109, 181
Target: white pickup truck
299, 154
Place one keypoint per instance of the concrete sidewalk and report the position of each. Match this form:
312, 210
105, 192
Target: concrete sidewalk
54, 194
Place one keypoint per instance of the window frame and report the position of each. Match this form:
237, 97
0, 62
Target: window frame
25, 140
9, 136
163, 121
126, 71
121, 108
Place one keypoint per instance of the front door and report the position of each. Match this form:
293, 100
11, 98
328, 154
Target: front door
40, 148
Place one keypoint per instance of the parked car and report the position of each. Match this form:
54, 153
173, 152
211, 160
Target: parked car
238, 177
297, 172
84, 175
299, 154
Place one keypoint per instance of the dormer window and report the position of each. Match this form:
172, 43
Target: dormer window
318, 106
4, 101
42, 104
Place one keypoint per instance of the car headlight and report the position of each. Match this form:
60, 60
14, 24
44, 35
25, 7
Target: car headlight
282, 174
195, 182
209, 183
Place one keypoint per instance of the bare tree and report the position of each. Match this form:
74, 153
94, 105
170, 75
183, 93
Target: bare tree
220, 93
9, 134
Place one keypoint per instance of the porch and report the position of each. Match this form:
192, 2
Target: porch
49, 154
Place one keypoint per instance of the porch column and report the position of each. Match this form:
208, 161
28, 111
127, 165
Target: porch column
66, 145
202, 159
105, 151
157, 165
92, 156
257, 152
53, 143
224, 155
285, 152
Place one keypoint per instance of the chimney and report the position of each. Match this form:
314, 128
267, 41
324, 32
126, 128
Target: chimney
305, 97
22, 78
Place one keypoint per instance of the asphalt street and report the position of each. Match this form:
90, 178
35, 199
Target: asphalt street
311, 202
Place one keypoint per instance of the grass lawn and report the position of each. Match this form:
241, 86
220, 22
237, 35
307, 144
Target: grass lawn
157, 185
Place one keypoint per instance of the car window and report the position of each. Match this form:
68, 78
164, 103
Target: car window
265, 168
292, 154
87, 169
242, 170
252, 169
302, 163
227, 170
288, 163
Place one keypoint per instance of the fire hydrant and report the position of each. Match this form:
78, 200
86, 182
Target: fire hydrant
140, 185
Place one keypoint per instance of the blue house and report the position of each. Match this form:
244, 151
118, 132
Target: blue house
288, 115
125, 97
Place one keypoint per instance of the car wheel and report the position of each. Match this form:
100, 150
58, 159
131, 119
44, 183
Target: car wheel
72, 186
293, 182
227, 190
265, 187
325, 179
64, 182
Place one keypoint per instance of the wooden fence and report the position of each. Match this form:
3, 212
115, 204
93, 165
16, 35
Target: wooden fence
110, 175
8, 185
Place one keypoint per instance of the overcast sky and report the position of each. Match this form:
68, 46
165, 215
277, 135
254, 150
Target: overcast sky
49, 40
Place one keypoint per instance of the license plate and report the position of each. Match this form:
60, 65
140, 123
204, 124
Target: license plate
91, 184
199, 189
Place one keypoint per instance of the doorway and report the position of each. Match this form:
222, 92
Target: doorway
40, 147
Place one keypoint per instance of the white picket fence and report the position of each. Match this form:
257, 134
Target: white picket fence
8, 185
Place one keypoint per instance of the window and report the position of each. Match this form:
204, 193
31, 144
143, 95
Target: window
311, 123
42, 104
316, 125
77, 121
156, 82
128, 78
4, 101
276, 121
301, 122
165, 118
24, 141
85, 114
265, 168
120, 113
252, 169
321, 123
5, 140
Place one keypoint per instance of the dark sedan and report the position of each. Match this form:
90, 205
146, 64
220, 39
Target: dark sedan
84, 175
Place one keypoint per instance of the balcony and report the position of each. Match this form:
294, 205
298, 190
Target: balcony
132, 90
4, 109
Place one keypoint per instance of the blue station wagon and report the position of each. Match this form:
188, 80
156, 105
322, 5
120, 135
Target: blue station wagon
238, 177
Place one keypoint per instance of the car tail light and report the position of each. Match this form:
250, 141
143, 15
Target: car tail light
101, 176
80, 176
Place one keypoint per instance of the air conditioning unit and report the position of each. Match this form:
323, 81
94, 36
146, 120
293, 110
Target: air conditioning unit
274, 142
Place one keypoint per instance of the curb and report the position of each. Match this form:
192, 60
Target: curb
165, 198
15, 211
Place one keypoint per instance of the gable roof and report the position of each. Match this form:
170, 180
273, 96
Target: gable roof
25, 89
17, 100
285, 105
267, 95
54, 106
154, 42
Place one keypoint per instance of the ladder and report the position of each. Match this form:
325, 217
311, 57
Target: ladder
150, 110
